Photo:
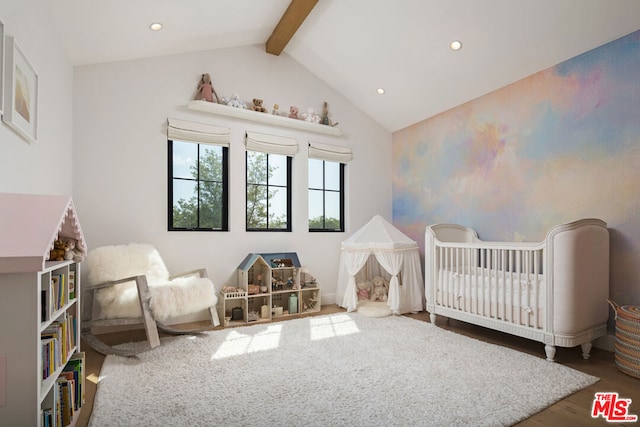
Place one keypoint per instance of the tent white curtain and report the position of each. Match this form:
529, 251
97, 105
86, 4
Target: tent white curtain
182, 130
353, 262
392, 262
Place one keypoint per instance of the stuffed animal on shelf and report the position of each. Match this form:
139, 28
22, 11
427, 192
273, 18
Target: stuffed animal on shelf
293, 112
257, 105
58, 251
380, 289
72, 252
325, 116
311, 116
364, 290
206, 92
234, 101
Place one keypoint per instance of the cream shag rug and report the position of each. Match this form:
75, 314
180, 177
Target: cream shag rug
333, 370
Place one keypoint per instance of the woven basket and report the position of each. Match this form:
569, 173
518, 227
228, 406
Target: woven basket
627, 338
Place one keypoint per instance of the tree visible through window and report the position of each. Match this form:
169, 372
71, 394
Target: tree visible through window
268, 192
198, 187
326, 195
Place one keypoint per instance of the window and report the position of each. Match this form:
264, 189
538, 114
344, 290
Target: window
198, 187
198, 176
326, 195
326, 186
268, 192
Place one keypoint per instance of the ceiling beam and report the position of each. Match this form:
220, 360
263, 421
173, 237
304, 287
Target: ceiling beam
293, 17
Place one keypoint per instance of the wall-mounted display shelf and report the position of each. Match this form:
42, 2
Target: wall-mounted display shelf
254, 116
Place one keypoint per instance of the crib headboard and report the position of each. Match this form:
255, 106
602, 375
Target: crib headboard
453, 233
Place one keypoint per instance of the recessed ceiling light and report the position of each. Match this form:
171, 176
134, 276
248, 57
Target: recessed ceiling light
380, 91
455, 45
156, 26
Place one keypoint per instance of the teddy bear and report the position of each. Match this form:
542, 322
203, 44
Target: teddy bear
57, 253
257, 105
364, 290
72, 252
206, 92
293, 112
380, 289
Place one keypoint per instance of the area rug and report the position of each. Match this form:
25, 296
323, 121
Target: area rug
342, 369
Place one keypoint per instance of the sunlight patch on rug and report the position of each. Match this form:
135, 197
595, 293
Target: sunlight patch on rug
338, 370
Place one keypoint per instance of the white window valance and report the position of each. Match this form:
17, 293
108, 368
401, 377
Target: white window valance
271, 144
183, 130
331, 153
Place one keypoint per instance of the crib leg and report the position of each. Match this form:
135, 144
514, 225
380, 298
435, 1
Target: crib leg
586, 350
551, 352
432, 317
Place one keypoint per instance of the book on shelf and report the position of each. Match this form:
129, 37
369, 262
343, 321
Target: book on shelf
75, 366
72, 284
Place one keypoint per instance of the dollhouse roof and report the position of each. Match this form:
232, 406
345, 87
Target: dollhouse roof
29, 224
267, 258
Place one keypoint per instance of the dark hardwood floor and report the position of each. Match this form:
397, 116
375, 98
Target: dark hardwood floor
575, 410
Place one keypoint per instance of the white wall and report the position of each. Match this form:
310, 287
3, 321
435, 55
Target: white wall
120, 152
44, 167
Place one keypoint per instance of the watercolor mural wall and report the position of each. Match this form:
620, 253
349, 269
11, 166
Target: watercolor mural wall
559, 145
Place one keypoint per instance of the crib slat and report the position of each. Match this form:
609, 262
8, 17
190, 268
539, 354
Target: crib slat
535, 290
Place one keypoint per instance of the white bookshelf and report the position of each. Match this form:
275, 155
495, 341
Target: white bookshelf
25, 316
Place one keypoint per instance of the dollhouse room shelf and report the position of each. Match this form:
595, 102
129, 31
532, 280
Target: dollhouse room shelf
39, 312
254, 116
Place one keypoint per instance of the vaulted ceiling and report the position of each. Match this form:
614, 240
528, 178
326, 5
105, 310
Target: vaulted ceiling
358, 46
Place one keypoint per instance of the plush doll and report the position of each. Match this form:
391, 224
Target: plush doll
380, 289
57, 253
325, 116
311, 116
257, 106
206, 92
364, 289
72, 252
234, 101
293, 112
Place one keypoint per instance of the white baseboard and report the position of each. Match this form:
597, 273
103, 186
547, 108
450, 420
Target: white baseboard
606, 342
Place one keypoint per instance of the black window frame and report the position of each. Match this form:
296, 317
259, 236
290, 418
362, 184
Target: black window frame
289, 189
225, 189
324, 191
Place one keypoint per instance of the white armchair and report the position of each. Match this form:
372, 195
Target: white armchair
130, 284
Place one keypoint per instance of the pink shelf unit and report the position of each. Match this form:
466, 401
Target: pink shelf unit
29, 224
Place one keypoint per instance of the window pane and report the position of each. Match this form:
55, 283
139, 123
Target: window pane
256, 206
185, 156
256, 168
316, 219
332, 176
277, 207
210, 162
277, 170
210, 205
315, 173
332, 210
185, 204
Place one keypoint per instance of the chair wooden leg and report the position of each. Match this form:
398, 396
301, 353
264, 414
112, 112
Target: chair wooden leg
147, 319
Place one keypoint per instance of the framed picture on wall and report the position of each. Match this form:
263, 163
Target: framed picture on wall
20, 92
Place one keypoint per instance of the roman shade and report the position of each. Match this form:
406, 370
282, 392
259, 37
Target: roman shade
183, 130
331, 153
271, 144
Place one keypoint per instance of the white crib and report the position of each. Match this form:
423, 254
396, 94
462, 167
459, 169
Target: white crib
554, 291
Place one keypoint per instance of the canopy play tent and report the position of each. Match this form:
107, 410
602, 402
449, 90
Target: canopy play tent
396, 253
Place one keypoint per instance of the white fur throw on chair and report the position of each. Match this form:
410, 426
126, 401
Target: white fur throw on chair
169, 298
